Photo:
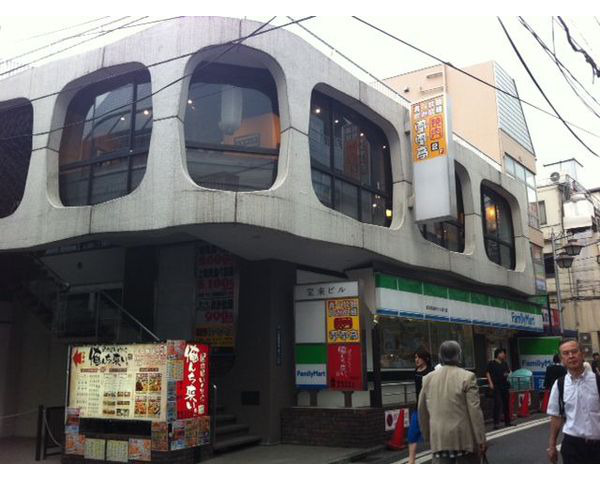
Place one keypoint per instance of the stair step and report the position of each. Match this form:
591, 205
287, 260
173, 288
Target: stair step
224, 418
229, 429
237, 442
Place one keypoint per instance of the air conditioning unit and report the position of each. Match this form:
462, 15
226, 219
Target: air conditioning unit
578, 213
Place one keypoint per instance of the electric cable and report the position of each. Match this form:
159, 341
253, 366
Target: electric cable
449, 64
575, 46
233, 43
516, 50
345, 57
70, 27
562, 68
102, 34
61, 40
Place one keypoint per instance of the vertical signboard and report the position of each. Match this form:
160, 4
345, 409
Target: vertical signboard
345, 366
192, 398
329, 349
433, 163
536, 354
216, 292
343, 325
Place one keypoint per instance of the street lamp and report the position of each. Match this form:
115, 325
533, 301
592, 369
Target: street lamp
572, 248
563, 260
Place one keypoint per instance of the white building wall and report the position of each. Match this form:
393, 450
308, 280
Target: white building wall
167, 197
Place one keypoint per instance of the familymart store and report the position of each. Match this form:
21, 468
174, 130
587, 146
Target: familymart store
355, 342
413, 314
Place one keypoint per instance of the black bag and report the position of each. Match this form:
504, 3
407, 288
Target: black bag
561, 393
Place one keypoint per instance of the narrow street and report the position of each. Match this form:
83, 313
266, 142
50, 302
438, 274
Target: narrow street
524, 443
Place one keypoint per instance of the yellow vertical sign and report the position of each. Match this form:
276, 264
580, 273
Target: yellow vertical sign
343, 323
429, 129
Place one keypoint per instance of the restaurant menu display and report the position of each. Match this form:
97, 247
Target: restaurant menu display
139, 382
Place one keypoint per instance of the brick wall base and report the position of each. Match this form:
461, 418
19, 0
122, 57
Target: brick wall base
334, 427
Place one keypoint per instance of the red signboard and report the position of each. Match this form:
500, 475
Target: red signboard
344, 367
192, 391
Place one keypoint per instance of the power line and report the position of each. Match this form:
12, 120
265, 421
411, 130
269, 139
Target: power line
345, 57
70, 27
516, 97
102, 34
56, 42
562, 68
234, 43
541, 90
575, 46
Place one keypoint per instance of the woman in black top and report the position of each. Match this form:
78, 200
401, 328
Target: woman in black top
423, 367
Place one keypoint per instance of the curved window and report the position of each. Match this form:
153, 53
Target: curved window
350, 162
16, 125
105, 142
497, 228
450, 235
232, 130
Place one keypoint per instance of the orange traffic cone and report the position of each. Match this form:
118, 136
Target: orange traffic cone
545, 401
511, 404
524, 410
397, 441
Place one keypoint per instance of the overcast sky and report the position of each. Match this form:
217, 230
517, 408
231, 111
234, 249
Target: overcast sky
460, 40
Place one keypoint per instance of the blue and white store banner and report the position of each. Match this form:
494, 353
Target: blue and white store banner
401, 297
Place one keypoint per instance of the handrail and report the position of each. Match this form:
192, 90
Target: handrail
120, 307
57, 278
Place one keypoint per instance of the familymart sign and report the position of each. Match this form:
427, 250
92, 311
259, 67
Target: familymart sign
401, 297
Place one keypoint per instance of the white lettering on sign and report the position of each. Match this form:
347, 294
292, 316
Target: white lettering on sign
320, 291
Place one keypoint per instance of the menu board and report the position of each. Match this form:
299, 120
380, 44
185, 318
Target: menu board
216, 274
127, 382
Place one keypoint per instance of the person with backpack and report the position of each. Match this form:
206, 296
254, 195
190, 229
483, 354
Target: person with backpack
575, 403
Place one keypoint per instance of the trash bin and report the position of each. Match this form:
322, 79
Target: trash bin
521, 380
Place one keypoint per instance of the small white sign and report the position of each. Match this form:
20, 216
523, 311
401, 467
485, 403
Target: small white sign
320, 291
311, 376
391, 419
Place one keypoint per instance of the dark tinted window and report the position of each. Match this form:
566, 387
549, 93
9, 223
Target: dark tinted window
16, 124
106, 138
351, 152
497, 228
232, 130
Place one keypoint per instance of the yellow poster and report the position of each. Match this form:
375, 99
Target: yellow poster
343, 322
429, 125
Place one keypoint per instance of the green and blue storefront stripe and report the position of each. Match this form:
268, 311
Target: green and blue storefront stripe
402, 297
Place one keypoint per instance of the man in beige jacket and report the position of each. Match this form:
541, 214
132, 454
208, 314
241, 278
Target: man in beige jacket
450, 416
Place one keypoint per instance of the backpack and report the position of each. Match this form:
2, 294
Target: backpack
561, 393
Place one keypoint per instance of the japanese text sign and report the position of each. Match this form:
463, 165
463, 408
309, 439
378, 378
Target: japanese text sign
192, 398
429, 131
343, 325
345, 370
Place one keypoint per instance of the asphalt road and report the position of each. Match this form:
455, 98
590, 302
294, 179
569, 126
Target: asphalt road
524, 443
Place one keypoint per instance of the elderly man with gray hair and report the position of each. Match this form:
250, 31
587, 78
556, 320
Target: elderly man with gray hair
450, 416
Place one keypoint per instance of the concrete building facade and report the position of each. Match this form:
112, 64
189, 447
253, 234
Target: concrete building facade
130, 225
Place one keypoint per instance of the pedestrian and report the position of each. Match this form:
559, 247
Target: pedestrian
450, 415
497, 375
575, 403
596, 363
422, 368
553, 372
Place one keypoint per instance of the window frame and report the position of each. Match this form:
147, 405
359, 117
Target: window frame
458, 224
542, 208
495, 238
332, 105
126, 154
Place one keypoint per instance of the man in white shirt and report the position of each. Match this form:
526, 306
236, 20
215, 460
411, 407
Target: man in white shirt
581, 417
